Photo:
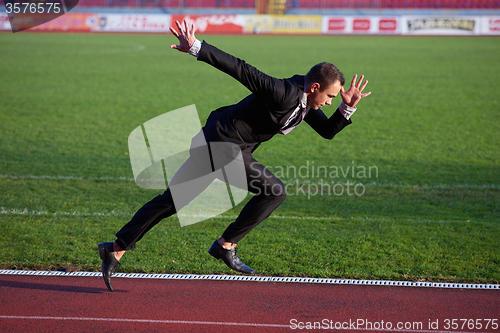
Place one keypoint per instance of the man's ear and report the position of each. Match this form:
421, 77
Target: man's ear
315, 87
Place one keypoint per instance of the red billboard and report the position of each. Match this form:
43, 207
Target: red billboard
388, 25
80, 22
337, 24
361, 25
216, 24
494, 24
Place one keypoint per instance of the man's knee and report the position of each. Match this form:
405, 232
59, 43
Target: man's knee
278, 191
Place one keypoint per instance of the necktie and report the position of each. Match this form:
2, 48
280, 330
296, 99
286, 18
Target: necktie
294, 120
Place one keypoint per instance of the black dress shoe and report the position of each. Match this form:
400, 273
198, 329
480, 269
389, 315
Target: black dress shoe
230, 258
109, 262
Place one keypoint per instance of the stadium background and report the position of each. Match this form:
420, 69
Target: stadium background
69, 101
422, 17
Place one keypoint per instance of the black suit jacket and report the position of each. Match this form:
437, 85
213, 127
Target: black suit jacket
261, 115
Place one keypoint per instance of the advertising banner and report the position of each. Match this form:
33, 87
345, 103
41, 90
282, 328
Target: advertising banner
490, 25
428, 25
4, 22
158, 23
214, 24
258, 24
389, 25
360, 25
77, 22
263, 24
295, 24
283, 24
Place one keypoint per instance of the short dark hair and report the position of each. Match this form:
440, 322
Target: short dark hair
325, 74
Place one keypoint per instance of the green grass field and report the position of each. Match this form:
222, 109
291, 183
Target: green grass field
429, 134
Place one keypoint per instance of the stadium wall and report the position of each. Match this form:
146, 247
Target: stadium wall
274, 24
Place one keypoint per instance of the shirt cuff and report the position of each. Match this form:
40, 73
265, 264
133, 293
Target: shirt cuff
195, 48
346, 110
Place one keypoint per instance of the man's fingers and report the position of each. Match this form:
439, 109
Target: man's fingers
189, 29
363, 86
360, 80
366, 94
178, 25
174, 32
354, 80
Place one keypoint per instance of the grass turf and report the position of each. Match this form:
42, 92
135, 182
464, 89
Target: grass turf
429, 133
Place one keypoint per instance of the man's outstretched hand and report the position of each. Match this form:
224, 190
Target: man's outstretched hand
185, 35
352, 96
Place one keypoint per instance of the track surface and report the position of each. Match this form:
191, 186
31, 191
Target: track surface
83, 304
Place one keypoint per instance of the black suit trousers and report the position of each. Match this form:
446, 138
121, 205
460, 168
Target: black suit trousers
268, 193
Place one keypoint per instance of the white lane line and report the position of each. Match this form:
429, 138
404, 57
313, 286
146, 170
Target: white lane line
70, 177
32, 212
153, 321
75, 213
296, 182
199, 322
248, 278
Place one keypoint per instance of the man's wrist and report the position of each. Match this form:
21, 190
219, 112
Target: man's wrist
195, 48
346, 110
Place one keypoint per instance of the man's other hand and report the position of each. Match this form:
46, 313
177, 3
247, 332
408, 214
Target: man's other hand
352, 96
185, 35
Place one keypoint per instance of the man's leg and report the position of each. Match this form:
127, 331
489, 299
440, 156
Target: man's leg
151, 214
269, 194
146, 218
163, 205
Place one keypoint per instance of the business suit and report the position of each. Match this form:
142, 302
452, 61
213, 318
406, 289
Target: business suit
255, 119
260, 116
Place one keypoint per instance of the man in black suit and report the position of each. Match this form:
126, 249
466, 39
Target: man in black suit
276, 106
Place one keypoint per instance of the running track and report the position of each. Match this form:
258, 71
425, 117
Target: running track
83, 304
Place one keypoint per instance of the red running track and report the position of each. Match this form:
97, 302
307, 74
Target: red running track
83, 304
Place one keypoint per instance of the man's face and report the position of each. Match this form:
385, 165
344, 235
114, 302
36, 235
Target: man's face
318, 99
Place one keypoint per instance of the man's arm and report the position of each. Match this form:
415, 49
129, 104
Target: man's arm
257, 82
327, 127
